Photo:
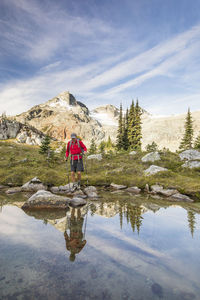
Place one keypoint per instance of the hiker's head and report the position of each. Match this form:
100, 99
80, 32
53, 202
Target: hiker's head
73, 136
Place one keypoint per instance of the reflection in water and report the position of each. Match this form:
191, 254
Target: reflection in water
191, 221
75, 241
160, 262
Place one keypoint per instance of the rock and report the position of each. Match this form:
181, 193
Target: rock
14, 190
132, 153
54, 189
154, 169
168, 192
2, 187
90, 188
191, 164
158, 189
79, 194
153, 156
118, 186
66, 188
91, 192
75, 202
95, 156
33, 185
146, 189
190, 155
180, 197
45, 199
24, 160
133, 189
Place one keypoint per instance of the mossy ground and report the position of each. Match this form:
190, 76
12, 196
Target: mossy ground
120, 168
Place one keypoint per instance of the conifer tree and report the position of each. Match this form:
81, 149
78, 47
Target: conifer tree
101, 147
93, 147
131, 126
152, 147
109, 143
138, 127
197, 143
186, 142
125, 131
119, 144
45, 145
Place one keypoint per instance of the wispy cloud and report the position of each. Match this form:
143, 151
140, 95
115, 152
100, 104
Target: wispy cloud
88, 56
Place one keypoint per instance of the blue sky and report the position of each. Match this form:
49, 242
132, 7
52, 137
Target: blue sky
107, 51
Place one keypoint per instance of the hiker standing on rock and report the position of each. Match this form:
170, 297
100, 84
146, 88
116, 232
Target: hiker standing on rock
76, 149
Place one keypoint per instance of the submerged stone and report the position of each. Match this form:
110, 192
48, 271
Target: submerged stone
14, 190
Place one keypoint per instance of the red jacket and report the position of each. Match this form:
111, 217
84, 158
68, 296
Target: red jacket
75, 149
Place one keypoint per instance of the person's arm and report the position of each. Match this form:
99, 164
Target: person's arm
83, 146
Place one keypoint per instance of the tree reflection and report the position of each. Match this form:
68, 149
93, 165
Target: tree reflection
191, 221
132, 214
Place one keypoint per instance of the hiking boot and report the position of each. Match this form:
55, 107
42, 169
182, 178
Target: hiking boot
74, 187
79, 185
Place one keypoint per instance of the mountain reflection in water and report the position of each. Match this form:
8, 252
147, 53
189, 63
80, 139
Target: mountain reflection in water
122, 248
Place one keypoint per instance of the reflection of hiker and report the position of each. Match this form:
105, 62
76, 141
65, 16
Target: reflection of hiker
76, 148
75, 241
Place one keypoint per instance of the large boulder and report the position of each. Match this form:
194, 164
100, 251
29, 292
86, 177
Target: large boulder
191, 164
33, 185
95, 156
153, 169
45, 199
118, 186
190, 155
152, 156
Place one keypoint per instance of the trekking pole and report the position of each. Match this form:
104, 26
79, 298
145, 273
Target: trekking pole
84, 232
68, 177
86, 170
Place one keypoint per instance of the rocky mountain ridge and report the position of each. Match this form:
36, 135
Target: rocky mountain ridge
63, 114
23, 133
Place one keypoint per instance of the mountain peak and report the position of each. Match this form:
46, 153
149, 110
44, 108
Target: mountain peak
64, 99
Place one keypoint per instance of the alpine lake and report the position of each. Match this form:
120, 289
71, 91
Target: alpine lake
120, 247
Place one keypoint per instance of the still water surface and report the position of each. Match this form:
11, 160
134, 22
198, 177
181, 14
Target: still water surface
117, 248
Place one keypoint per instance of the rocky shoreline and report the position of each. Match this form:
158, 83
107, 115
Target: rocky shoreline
61, 197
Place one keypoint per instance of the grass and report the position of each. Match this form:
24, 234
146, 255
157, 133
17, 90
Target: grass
119, 168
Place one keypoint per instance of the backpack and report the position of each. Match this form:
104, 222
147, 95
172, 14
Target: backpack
78, 142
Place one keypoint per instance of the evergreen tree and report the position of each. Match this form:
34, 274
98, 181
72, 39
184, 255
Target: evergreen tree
93, 147
131, 126
119, 144
138, 127
186, 142
191, 221
109, 143
197, 143
101, 147
45, 146
152, 147
125, 131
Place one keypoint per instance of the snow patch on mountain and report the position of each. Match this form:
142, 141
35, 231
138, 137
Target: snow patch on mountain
103, 119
